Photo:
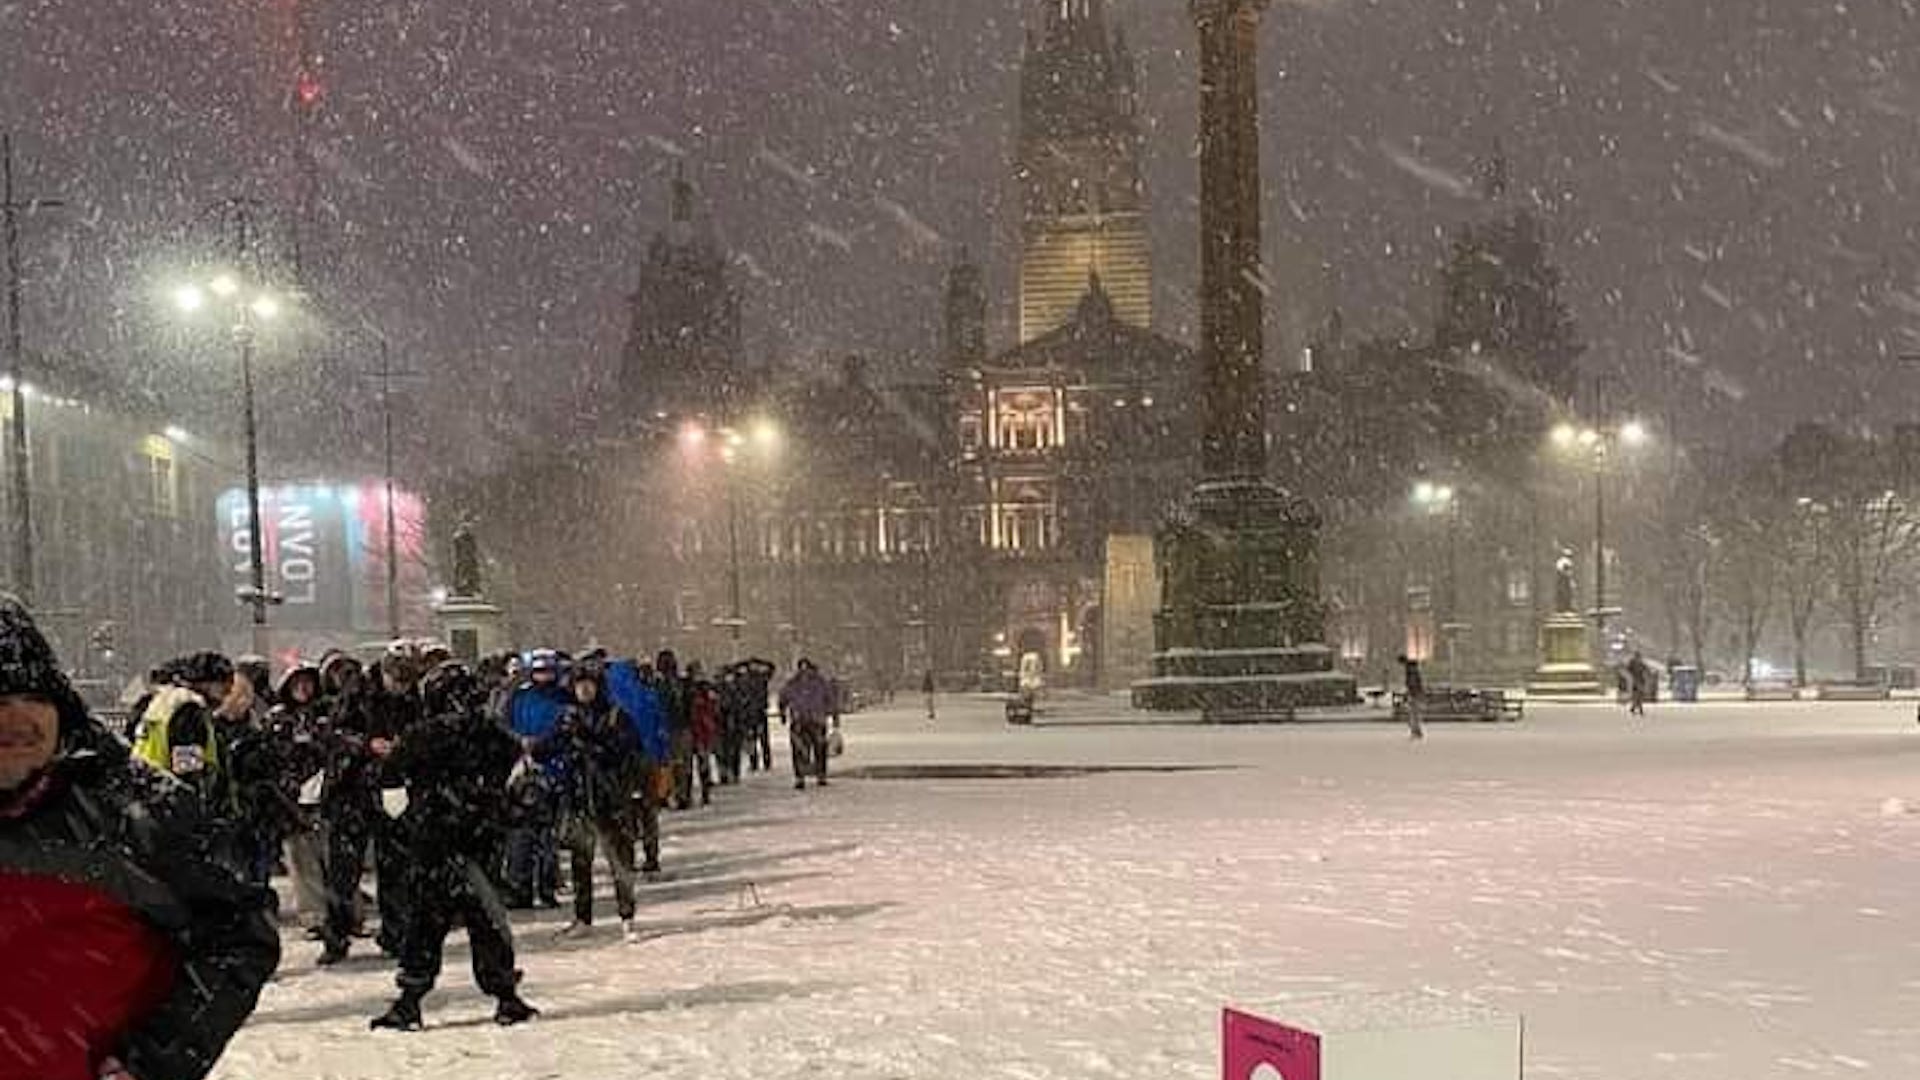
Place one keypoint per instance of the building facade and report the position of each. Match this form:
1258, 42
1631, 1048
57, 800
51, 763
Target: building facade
128, 567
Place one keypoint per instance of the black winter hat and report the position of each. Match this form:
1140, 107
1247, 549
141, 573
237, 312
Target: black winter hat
28, 666
202, 667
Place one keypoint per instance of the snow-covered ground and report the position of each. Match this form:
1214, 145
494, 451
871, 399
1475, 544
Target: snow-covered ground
1728, 892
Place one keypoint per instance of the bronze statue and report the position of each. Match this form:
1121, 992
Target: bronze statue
466, 561
1563, 585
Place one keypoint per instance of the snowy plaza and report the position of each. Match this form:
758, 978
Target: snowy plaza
1723, 892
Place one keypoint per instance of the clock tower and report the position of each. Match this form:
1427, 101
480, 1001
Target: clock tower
1083, 200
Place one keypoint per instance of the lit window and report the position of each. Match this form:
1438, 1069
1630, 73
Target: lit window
162, 483
1519, 586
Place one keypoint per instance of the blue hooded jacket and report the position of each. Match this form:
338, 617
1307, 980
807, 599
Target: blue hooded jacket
642, 708
536, 710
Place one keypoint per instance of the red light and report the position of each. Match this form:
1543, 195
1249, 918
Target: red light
308, 90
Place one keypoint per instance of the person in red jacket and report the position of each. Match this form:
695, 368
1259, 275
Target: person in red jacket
134, 951
704, 701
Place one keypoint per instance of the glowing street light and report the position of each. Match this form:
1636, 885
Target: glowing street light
265, 306
189, 298
176, 433
224, 286
766, 434
1633, 433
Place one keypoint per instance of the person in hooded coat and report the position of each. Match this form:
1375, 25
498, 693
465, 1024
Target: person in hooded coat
808, 701
280, 775
533, 810
454, 767
703, 709
133, 950
187, 725
370, 720
675, 692
604, 769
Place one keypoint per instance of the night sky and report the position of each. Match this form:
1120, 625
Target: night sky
1726, 182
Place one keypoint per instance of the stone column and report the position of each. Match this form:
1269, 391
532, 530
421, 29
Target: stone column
1239, 634
1232, 278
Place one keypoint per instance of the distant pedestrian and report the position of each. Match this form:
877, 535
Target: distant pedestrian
927, 687
807, 702
1639, 685
1416, 697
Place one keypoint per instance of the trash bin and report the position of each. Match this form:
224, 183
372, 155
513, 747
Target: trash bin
1686, 685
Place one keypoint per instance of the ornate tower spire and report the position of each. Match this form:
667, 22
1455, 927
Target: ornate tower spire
1082, 193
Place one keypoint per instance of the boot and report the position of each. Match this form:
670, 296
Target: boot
402, 1015
512, 1010
334, 952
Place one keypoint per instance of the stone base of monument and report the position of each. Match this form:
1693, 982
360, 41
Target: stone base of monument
1244, 680
1240, 623
1565, 670
1403, 1037
471, 627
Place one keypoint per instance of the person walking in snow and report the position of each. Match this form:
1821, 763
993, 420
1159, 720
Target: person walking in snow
454, 767
133, 949
807, 702
1416, 697
1639, 684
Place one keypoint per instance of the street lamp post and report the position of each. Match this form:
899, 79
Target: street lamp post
1600, 446
249, 304
11, 207
735, 620
765, 438
243, 333
1443, 500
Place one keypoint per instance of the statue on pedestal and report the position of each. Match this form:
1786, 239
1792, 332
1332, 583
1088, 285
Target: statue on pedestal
472, 626
1563, 583
466, 561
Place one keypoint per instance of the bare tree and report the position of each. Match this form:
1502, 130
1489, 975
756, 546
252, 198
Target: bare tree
1860, 534
1868, 543
1749, 539
1803, 581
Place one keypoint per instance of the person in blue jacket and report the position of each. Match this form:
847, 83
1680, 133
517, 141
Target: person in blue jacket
633, 693
533, 714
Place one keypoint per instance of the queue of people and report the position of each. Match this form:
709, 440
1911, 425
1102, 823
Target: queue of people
461, 787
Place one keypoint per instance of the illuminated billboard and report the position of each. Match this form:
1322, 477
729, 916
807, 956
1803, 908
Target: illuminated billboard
325, 548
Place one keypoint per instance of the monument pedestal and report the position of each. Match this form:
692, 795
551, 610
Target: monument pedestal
471, 626
1241, 624
1566, 669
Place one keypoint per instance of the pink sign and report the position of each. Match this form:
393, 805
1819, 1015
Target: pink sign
1258, 1049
